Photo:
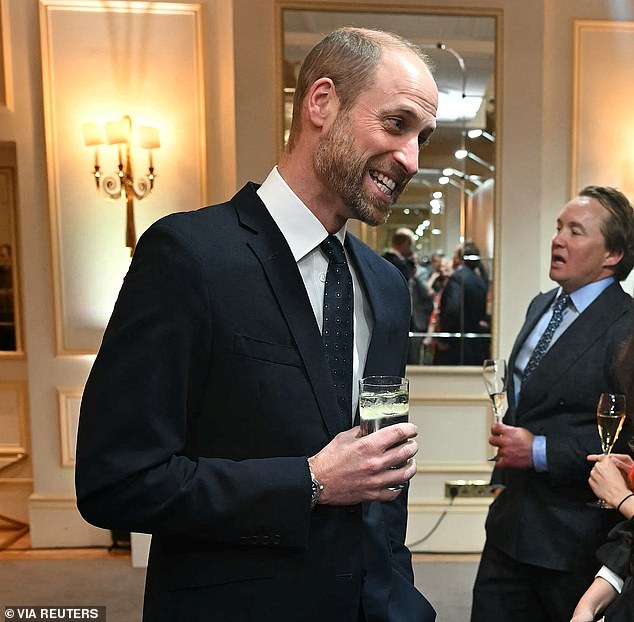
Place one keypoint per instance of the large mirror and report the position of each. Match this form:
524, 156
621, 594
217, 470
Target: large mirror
442, 231
10, 342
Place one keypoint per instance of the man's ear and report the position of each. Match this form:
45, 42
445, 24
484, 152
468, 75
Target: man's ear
322, 102
612, 258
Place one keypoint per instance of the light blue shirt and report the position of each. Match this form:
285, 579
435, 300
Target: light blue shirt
580, 300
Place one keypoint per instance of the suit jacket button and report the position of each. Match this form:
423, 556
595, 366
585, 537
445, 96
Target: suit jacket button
244, 540
276, 539
562, 403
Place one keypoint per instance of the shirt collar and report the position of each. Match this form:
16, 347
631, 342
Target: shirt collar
583, 297
299, 226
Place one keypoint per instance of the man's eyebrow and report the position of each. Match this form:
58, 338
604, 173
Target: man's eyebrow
576, 223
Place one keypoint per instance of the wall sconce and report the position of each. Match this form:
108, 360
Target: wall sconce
123, 181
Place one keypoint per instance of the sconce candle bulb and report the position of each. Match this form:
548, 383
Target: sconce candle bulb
123, 181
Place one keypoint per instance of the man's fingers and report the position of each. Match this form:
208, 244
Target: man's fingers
395, 478
394, 434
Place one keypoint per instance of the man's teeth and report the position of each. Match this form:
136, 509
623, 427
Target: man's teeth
386, 184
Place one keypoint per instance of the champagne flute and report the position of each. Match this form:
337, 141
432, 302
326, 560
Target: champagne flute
610, 418
494, 374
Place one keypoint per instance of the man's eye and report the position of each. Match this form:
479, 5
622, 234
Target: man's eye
396, 123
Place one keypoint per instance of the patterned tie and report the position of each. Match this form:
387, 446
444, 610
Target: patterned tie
338, 327
544, 341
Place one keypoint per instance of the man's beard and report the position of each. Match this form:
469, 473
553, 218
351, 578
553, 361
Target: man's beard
344, 172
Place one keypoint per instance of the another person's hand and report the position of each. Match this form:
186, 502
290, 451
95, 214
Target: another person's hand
607, 480
354, 468
622, 461
515, 446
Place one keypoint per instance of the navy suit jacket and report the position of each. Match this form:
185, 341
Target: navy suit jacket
543, 518
209, 391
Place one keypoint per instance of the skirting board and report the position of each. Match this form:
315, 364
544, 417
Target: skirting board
56, 522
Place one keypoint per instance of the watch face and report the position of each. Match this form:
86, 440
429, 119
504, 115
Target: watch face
316, 489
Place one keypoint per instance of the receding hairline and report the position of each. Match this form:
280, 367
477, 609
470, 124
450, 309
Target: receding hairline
390, 40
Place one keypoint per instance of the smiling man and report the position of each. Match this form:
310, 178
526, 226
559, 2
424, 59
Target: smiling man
221, 412
542, 535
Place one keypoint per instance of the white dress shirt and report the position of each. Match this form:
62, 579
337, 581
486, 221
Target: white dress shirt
304, 233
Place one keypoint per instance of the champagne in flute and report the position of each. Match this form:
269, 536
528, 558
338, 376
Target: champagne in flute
494, 374
383, 401
498, 402
610, 418
609, 430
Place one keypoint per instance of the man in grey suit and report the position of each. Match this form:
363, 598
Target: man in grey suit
542, 535
219, 413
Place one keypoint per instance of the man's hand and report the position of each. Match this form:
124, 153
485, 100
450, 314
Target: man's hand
354, 468
515, 446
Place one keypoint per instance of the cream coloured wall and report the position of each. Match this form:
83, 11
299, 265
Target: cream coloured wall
53, 516
239, 51
559, 18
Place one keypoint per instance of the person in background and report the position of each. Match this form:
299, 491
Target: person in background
422, 307
612, 479
440, 271
541, 534
612, 590
400, 252
463, 309
220, 413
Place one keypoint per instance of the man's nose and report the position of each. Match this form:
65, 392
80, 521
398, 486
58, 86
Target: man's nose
557, 239
407, 156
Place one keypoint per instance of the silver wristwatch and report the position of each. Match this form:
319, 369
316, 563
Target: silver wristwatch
316, 487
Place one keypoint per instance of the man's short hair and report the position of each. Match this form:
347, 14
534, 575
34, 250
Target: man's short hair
349, 57
618, 227
402, 235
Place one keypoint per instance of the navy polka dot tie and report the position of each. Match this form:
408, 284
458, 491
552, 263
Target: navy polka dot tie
544, 341
338, 327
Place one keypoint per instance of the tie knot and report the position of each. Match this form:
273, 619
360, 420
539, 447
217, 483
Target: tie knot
333, 249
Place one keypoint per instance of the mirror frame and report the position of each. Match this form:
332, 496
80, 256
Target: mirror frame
367, 233
8, 164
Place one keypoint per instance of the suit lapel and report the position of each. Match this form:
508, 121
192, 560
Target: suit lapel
371, 282
276, 259
535, 312
585, 331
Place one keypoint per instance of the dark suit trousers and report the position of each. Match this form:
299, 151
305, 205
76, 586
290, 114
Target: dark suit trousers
506, 590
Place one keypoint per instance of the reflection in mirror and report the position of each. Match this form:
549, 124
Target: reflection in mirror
441, 232
9, 315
